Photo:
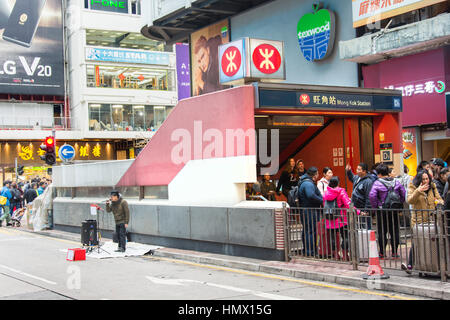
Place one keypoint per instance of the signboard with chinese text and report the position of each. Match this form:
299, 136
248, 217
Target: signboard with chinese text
127, 56
328, 100
370, 11
296, 121
28, 153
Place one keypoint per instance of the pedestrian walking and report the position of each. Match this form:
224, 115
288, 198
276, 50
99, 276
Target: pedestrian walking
422, 196
41, 187
323, 183
310, 200
288, 179
16, 198
5, 192
388, 195
362, 184
119, 207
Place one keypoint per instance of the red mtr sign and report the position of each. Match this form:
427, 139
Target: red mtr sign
266, 58
231, 61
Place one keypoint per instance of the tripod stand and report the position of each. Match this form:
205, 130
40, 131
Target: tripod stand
98, 246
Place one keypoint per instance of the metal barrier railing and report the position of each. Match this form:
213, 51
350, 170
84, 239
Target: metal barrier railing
419, 238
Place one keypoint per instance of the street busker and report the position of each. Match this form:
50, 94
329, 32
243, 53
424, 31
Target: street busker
337, 198
362, 184
309, 198
5, 214
119, 208
388, 195
423, 197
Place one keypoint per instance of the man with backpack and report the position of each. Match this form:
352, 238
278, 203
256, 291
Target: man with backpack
6, 193
16, 198
362, 184
309, 197
388, 195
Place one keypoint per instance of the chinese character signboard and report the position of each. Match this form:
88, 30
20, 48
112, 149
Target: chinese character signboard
127, 56
253, 59
370, 11
28, 153
328, 100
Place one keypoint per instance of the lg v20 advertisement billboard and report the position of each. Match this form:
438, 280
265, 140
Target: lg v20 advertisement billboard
31, 47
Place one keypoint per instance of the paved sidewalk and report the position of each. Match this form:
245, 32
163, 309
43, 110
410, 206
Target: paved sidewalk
399, 282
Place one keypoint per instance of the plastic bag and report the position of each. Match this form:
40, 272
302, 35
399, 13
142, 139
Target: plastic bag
39, 215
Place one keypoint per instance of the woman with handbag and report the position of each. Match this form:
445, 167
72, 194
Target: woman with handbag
423, 197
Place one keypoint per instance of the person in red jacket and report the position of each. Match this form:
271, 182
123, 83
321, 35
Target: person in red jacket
340, 223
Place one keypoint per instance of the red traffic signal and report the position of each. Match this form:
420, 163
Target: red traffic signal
49, 148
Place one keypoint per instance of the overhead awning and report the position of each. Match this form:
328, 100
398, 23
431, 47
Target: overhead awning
178, 25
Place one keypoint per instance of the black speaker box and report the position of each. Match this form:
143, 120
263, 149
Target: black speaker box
89, 233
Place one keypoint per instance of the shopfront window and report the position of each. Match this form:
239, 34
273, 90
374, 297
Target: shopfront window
123, 77
119, 117
100, 117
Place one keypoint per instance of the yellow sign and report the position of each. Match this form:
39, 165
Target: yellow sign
97, 151
84, 151
26, 153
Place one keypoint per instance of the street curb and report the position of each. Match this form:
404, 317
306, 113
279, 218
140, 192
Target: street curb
383, 285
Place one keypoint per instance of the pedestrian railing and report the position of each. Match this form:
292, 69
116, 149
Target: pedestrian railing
419, 238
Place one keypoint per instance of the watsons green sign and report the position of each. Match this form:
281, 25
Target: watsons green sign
315, 33
110, 5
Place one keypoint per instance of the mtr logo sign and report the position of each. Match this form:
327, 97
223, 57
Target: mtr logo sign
266, 58
231, 61
253, 59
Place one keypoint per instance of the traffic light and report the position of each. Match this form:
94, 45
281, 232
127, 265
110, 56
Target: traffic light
50, 150
20, 170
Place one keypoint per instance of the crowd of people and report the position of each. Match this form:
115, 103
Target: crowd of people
20, 195
375, 191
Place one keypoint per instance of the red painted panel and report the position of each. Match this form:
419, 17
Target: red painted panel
230, 109
389, 125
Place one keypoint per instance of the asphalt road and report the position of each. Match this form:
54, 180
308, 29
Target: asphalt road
34, 267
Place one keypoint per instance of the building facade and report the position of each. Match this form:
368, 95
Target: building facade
122, 85
405, 46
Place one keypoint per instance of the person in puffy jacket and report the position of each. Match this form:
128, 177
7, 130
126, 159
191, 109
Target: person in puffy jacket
387, 220
309, 198
362, 184
5, 192
423, 197
339, 224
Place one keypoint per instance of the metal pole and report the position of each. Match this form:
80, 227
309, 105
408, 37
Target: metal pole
286, 234
352, 235
17, 175
441, 238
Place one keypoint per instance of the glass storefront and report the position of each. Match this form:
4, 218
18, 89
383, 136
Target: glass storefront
124, 77
119, 117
